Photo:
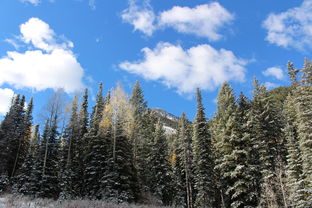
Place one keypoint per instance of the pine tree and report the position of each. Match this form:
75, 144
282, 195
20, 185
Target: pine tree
294, 162
97, 111
11, 137
292, 72
144, 152
91, 139
36, 173
82, 143
49, 176
84, 115
139, 107
161, 179
304, 100
24, 155
243, 186
70, 178
267, 133
24, 136
224, 125
182, 166
23, 181
203, 160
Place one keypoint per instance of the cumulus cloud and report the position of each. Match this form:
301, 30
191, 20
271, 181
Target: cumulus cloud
141, 17
34, 2
41, 36
6, 96
275, 72
200, 66
203, 20
49, 64
292, 28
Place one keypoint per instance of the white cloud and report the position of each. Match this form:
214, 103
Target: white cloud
6, 96
34, 2
203, 20
292, 28
40, 35
275, 72
200, 66
270, 85
141, 17
13, 43
51, 65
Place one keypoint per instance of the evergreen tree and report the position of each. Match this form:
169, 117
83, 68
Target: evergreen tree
203, 160
292, 72
182, 166
70, 179
161, 179
91, 140
224, 125
304, 113
83, 115
267, 132
23, 180
11, 138
294, 162
139, 108
97, 111
49, 175
243, 184
24, 137
82, 143
144, 152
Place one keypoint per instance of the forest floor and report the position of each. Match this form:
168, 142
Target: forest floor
2, 202
13, 201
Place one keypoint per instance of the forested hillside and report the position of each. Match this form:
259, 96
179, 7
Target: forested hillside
253, 153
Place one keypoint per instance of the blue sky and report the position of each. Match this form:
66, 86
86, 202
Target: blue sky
171, 47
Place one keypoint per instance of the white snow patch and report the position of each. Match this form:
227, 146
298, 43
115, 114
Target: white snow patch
169, 130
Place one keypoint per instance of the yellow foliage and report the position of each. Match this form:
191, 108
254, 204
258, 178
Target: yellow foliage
118, 109
173, 159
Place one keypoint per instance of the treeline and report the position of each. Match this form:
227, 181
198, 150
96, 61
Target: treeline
252, 153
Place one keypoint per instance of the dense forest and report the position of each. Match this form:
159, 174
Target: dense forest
253, 153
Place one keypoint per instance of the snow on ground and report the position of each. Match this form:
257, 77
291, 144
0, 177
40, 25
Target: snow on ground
15, 201
169, 130
2, 202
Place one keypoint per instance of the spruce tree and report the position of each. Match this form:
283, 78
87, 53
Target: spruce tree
91, 139
11, 138
49, 177
294, 162
97, 111
139, 108
144, 152
182, 166
292, 72
203, 159
224, 125
304, 112
82, 143
267, 131
23, 179
243, 184
24, 158
161, 179
70, 179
